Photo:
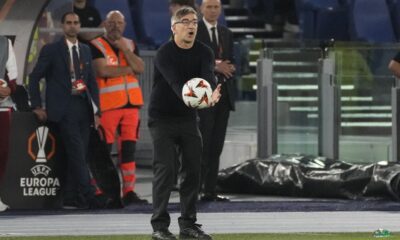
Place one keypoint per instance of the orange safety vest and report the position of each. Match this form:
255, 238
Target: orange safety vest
116, 92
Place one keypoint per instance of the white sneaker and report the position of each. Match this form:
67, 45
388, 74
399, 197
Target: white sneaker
3, 206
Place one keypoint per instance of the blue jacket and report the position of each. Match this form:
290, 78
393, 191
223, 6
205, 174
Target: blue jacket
54, 65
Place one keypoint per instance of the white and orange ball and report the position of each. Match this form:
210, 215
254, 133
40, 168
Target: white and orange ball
196, 93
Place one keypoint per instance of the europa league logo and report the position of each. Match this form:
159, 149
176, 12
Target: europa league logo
45, 143
41, 137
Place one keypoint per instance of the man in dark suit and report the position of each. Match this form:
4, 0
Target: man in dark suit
214, 121
71, 102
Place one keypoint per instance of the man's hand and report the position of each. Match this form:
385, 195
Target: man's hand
96, 121
40, 114
226, 68
216, 95
134, 61
394, 67
121, 44
5, 92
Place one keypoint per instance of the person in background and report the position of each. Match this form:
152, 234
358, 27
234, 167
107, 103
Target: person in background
279, 15
8, 85
176, 4
90, 18
70, 106
287, 11
8, 72
214, 121
172, 123
117, 65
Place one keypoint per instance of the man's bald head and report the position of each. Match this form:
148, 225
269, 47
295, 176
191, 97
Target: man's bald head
207, 1
115, 13
115, 25
211, 9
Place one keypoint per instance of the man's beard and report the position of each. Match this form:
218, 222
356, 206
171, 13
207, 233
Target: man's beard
115, 34
72, 34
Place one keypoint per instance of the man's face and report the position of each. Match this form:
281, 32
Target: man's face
185, 29
71, 25
115, 26
211, 9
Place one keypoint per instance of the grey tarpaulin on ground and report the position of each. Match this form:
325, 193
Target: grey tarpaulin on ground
310, 176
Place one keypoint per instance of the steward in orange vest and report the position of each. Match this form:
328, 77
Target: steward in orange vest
116, 92
116, 63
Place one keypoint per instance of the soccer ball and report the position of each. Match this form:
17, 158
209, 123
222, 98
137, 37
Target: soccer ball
196, 93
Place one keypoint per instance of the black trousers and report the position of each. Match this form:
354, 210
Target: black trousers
74, 129
213, 124
166, 134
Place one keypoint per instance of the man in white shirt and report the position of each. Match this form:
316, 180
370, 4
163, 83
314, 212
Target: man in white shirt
71, 100
214, 121
8, 65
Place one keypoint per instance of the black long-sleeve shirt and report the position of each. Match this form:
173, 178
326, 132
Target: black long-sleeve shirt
173, 67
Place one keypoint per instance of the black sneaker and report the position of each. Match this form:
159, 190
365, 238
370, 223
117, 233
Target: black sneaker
194, 232
75, 203
132, 198
72, 205
99, 202
163, 234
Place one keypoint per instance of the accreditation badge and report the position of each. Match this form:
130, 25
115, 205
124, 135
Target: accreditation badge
78, 86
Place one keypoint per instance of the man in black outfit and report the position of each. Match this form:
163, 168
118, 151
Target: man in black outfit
90, 18
214, 121
171, 122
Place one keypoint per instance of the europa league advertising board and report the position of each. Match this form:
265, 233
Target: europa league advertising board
31, 180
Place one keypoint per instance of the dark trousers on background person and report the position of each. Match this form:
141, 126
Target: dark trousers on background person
165, 135
5, 129
74, 130
213, 124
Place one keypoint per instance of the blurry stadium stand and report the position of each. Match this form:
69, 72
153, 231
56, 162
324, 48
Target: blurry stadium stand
370, 21
323, 19
157, 20
394, 8
244, 23
105, 6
